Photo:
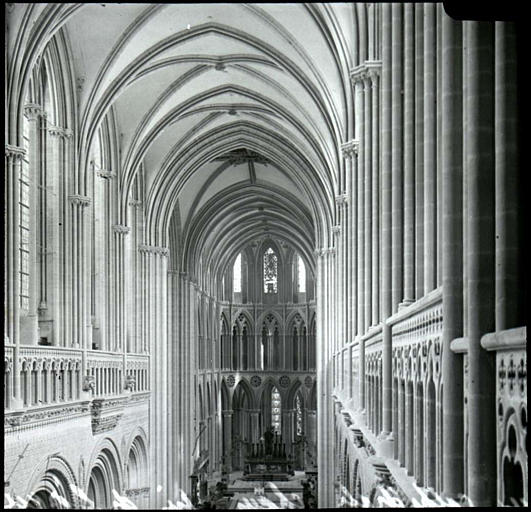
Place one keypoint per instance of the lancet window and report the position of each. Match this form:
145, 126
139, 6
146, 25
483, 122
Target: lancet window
276, 407
298, 414
270, 271
237, 274
301, 275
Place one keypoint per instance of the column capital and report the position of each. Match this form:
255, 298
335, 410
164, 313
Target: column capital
14, 152
153, 249
33, 111
79, 200
374, 68
350, 148
358, 74
336, 229
325, 250
342, 199
103, 173
135, 203
57, 131
121, 229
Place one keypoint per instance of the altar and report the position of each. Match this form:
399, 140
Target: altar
267, 459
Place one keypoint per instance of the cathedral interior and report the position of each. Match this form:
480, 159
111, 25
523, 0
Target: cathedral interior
262, 256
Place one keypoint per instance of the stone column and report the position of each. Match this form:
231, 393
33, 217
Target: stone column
360, 202
509, 311
57, 142
374, 73
287, 428
401, 410
410, 437
13, 163
156, 290
430, 144
29, 324
452, 256
396, 157
479, 135
120, 232
255, 424
79, 306
367, 193
409, 155
386, 220
324, 377
419, 150
227, 439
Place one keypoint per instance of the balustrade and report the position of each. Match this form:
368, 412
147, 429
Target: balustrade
511, 413
417, 388
48, 375
53, 375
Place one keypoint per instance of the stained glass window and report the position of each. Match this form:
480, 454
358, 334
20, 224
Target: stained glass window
237, 274
270, 271
298, 414
301, 275
275, 410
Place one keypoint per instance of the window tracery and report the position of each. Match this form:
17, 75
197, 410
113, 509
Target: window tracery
270, 271
276, 408
298, 414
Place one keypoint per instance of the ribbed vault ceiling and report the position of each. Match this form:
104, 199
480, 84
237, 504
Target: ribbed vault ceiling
236, 112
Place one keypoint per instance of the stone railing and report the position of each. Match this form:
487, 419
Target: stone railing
137, 372
373, 379
416, 398
416, 332
511, 402
51, 386
107, 370
48, 375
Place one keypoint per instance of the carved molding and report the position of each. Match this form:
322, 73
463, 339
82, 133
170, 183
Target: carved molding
153, 249
33, 111
39, 416
79, 200
350, 148
342, 199
14, 152
103, 173
120, 229
369, 70
135, 203
106, 413
57, 131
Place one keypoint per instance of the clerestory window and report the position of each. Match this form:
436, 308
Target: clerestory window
237, 274
270, 271
301, 270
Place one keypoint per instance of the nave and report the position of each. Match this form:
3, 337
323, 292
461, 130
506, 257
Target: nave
259, 251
